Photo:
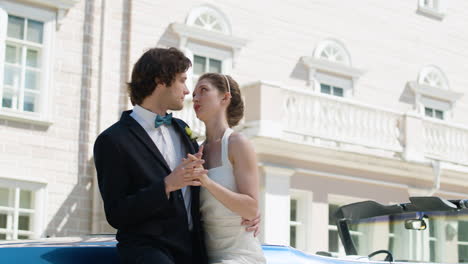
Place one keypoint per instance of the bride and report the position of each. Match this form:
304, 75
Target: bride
230, 190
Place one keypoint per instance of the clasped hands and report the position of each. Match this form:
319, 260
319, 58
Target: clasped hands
189, 172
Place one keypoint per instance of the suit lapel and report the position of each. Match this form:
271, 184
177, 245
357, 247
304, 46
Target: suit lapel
195, 190
183, 135
144, 138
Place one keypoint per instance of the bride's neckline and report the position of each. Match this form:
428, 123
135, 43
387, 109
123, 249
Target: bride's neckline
221, 139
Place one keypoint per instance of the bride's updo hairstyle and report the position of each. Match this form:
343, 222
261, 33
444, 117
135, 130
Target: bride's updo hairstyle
224, 84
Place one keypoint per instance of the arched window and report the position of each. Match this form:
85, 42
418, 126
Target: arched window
434, 77
330, 69
334, 51
209, 18
433, 97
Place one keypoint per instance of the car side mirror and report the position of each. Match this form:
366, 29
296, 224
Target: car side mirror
415, 224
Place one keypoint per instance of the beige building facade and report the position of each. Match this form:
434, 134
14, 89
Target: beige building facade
345, 101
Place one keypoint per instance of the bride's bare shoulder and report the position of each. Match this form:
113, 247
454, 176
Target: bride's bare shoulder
239, 146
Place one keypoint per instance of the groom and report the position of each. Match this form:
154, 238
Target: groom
147, 186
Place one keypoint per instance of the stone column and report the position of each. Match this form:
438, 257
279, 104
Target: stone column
318, 224
275, 204
414, 137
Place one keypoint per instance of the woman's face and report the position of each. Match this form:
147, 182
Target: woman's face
207, 100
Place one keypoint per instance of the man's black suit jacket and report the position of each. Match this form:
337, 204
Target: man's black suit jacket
131, 172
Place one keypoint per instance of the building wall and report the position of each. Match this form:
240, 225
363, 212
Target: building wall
97, 43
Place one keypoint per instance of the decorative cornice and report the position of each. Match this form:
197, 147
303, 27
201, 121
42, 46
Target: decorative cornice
426, 90
61, 7
431, 12
59, 4
331, 67
203, 35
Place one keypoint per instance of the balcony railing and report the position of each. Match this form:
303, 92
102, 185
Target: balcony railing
445, 142
312, 118
341, 121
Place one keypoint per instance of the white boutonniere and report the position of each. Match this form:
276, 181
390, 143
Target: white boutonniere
190, 133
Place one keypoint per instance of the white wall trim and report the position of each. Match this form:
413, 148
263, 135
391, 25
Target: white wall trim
206, 36
332, 67
60, 4
440, 94
438, 13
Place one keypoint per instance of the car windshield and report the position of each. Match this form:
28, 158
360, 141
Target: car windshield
433, 236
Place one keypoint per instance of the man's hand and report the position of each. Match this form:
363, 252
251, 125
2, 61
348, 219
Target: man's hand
252, 225
184, 175
198, 174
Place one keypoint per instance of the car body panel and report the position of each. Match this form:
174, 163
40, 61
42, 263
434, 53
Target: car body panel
103, 249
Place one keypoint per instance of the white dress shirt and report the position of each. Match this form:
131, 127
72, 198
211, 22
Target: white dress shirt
169, 144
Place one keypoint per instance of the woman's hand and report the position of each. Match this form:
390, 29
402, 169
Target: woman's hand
198, 174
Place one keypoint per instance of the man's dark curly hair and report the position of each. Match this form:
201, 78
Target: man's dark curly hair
155, 66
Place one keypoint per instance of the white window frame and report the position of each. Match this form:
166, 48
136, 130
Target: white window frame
335, 73
435, 10
194, 40
439, 98
42, 116
303, 218
193, 49
39, 209
434, 113
334, 82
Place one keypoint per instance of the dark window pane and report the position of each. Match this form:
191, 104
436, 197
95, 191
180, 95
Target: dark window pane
333, 241
293, 214
432, 250
462, 253
199, 65
439, 114
23, 222
35, 31
215, 66
7, 102
338, 91
292, 236
326, 89
25, 199
23, 237
431, 228
15, 27
332, 208
4, 194
2, 236
463, 231
30, 102
428, 111
3, 220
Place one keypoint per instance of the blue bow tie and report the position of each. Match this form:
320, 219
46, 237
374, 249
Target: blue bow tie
163, 120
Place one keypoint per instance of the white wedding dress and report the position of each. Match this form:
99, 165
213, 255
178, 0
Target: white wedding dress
227, 242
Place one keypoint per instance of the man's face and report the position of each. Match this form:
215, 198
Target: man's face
175, 93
